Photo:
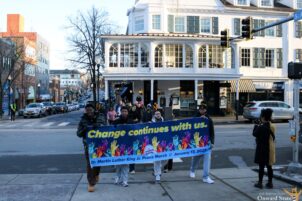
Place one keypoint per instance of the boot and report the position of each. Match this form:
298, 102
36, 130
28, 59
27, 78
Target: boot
258, 185
269, 185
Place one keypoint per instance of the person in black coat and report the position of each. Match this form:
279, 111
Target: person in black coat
264, 155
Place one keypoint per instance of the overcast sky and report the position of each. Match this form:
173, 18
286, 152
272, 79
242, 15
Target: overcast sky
49, 17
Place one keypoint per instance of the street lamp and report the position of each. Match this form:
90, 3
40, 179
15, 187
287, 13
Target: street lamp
39, 85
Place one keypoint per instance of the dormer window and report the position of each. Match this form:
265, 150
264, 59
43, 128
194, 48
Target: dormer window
266, 3
299, 4
242, 2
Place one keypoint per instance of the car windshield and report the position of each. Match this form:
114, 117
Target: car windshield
46, 104
33, 105
60, 104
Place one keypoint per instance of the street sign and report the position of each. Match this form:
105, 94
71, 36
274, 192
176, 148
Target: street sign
298, 15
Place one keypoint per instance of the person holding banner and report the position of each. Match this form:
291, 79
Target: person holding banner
207, 157
122, 170
157, 164
89, 120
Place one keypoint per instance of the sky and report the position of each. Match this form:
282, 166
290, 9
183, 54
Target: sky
49, 18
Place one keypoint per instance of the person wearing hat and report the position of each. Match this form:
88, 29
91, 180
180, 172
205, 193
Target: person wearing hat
206, 157
90, 120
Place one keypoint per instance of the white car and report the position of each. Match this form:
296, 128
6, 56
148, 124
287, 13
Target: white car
281, 110
34, 110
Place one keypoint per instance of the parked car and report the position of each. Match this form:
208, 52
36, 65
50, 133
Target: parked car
61, 107
20, 112
50, 108
34, 110
281, 110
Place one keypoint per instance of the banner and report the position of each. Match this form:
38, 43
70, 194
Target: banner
125, 144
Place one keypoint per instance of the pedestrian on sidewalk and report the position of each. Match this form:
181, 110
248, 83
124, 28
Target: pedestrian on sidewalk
265, 147
13, 110
206, 157
90, 120
157, 164
122, 170
111, 115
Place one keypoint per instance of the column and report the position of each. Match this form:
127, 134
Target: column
195, 57
152, 90
196, 90
164, 55
207, 53
183, 55
151, 56
107, 53
119, 55
139, 56
106, 90
237, 99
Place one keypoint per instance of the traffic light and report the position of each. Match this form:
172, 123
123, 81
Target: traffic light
246, 28
225, 38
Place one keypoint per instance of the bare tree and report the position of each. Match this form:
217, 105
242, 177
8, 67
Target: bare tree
86, 45
14, 66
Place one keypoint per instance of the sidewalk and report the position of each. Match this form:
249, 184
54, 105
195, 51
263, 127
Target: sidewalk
230, 184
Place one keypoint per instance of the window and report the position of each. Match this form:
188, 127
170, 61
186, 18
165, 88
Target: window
237, 26
216, 56
156, 22
189, 57
174, 55
242, 2
258, 58
257, 23
266, 3
299, 55
129, 55
205, 25
202, 57
299, 4
270, 31
139, 24
269, 58
245, 57
298, 29
279, 57
192, 24
158, 63
144, 56
113, 52
179, 24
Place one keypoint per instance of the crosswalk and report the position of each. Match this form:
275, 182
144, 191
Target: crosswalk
33, 124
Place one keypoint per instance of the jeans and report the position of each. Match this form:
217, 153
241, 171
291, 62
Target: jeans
157, 168
206, 164
92, 173
122, 173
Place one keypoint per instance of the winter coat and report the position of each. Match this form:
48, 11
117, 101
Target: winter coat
122, 120
87, 123
265, 144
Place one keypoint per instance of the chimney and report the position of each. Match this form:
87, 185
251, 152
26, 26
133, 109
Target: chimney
15, 23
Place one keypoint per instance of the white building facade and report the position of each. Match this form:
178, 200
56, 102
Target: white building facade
171, 53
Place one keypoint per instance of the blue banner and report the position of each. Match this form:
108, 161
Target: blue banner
125, 144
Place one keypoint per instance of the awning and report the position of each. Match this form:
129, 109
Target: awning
245, 86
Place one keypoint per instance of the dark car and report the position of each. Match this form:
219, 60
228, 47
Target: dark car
50, 108
61, 107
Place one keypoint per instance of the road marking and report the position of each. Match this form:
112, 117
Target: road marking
48, 124
238, 161
64, 124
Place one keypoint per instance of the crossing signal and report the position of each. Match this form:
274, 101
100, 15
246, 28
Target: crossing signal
247, 27
225, 38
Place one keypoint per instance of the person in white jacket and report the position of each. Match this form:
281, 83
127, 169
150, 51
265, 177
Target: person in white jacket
157, 164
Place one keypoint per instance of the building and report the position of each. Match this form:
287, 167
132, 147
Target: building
7, 47
171, 53
34, 81
71, 84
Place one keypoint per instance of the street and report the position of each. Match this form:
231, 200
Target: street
50, 145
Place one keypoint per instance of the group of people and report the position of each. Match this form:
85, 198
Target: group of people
264, 134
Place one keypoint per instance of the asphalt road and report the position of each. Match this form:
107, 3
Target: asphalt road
41, 146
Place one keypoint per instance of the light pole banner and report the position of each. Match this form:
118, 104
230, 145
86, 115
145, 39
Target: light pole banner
137, 143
